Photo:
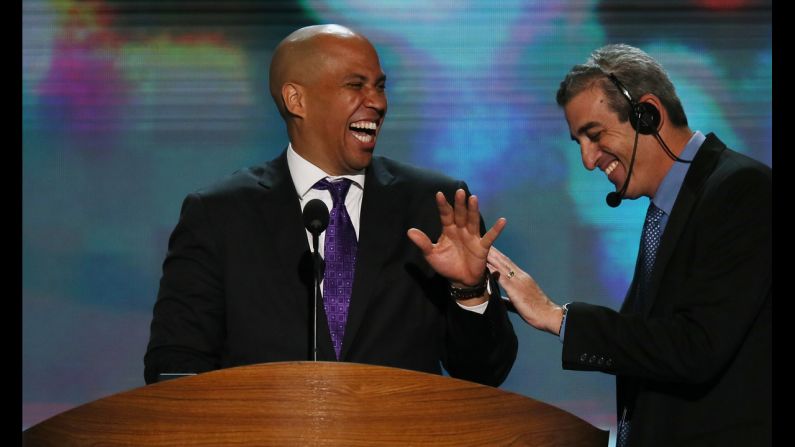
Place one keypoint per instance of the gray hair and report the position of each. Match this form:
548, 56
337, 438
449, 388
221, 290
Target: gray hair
636, 70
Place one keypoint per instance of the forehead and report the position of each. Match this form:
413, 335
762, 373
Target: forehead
350, 56
590, 105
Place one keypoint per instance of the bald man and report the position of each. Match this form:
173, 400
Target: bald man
237, 285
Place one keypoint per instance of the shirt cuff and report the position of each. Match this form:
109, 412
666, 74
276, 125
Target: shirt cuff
480, 308
563, 326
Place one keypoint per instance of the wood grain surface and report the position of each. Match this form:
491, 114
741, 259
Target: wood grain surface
318, 404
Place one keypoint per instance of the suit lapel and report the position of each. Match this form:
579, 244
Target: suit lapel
287, 233
703, 164
379, 231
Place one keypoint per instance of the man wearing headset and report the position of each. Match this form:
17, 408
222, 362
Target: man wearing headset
691, 344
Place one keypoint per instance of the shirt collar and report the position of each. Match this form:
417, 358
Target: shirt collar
669, 188
305, 174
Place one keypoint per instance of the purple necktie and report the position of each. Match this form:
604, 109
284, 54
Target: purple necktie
340, 258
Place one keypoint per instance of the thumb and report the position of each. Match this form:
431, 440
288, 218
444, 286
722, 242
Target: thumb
421, 240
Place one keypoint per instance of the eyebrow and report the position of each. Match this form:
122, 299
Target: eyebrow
360, 77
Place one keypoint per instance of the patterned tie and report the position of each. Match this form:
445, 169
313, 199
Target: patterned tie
340, 258
649, 242
623, 431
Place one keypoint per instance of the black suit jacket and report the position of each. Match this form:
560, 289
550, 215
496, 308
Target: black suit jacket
695, 365
237, 283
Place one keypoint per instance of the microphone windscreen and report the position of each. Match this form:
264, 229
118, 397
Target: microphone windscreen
316, 216
613, 199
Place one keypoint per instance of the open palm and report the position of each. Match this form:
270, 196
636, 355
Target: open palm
460, 253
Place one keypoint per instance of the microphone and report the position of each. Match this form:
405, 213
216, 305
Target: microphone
614, 198
315, 216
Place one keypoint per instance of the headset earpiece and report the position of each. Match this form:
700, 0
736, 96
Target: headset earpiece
645, 118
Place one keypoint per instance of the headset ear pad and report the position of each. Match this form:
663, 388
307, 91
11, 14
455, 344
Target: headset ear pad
646, 116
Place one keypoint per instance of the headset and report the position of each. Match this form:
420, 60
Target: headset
644, 117
645, 120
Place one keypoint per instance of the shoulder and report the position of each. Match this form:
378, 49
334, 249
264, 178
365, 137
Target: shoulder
245, 181
736, 173
404, 175
720, 172
736, 186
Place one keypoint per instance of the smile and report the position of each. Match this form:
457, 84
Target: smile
364, 131
611, 167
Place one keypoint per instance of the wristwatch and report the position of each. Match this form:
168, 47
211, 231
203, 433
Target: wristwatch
463, 293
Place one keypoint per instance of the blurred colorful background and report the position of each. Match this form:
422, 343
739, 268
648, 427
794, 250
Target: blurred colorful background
130, 105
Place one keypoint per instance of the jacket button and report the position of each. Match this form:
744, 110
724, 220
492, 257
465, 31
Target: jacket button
592, 360
609, 363
601, 361
583, 357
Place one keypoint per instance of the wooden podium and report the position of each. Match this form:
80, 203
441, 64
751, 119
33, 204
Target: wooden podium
315, 403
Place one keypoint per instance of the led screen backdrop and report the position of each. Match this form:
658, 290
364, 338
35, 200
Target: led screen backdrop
130, 105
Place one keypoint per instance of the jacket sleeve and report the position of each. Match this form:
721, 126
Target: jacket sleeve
187, 329
723, 281
479, 348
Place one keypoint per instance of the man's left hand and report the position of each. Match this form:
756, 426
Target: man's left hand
460, 253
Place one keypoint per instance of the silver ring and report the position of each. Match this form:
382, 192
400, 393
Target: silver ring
511, 274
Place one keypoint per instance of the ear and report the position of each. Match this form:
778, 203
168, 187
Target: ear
294, 99
654, 100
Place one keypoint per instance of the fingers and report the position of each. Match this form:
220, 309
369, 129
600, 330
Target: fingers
496, 257
445, 210
464, 213
488, 239
473, 215
421, 240
460, 210
502, 264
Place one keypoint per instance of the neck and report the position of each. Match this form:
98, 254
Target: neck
676, 138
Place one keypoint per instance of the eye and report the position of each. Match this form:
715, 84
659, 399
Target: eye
356, 85
381, 87
594, 136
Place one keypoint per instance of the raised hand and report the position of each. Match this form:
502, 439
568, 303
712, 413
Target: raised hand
460, 253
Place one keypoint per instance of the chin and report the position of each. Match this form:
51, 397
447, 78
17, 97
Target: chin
364, 162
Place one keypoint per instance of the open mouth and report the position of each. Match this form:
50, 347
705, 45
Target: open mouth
611, 167
364, 131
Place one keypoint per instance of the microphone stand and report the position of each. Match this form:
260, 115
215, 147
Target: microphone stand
315, 221
318, 273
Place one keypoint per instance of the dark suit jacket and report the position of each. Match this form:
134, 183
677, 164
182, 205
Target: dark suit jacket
695, 364
237, 283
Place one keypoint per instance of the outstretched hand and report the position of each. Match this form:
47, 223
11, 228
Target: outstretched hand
460, 253
524, 292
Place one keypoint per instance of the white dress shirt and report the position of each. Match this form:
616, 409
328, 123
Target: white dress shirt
305, 175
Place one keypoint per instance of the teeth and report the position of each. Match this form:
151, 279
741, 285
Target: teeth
364, 125
611, 167
363, 137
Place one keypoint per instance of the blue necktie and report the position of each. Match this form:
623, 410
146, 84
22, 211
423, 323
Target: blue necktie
623, 431
649, 242
340, 258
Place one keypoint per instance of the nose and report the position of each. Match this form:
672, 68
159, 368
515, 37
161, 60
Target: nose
589, 153
376, 99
